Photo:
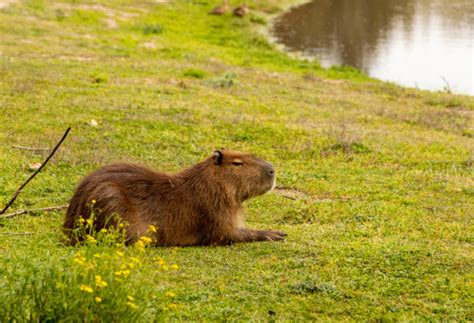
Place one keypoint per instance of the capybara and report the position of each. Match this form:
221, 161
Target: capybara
201, 205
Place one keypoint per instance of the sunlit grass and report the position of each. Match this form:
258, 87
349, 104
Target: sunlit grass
374, 180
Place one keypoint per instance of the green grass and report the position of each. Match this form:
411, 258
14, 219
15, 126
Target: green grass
375, 180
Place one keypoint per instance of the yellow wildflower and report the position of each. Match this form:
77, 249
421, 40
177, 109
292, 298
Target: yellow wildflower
90, 238
130, 298
175, 266
170, 294
90, 221
160, 260
152, 228
93, 202
119, 253
103, 230
99, 282
172, 306
98, 299
79, 259
86, 288
165, 267
140, 245
124, 273
135, 262
132, 305
146, 240
81, 220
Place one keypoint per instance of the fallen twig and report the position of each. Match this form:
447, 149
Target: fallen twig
16, 233
30, 148
36, 172
44, 209
288, 197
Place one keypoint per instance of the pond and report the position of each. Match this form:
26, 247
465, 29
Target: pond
428, 44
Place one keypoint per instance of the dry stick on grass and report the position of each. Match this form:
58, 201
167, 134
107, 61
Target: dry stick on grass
36, 172
30, 148
44, 209
16, 233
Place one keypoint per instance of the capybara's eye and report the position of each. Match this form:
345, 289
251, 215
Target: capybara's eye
237, 163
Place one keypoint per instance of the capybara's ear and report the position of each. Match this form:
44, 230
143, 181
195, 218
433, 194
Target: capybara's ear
218, 157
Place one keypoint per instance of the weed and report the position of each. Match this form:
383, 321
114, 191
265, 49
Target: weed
98, 78
312, 286
227, 80
346, 140
152, 29
194, 73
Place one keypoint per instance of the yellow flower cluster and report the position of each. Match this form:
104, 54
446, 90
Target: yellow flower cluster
79, 259
99, 282
124, 273
143, 242
134, 262
91, 239
82, 261
86, 288
122, 265
164, 265
131, 303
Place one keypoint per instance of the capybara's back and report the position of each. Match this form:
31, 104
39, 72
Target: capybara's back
198, 206
113, 192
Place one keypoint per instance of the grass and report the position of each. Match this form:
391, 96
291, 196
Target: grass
375, 180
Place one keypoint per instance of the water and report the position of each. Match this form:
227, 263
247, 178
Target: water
427, 44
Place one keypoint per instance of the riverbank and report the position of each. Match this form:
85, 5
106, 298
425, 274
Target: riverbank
388, 41
374, 180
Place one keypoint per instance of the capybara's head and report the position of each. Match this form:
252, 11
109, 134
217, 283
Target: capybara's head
243, 174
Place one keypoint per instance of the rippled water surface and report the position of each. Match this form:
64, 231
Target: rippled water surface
418, 43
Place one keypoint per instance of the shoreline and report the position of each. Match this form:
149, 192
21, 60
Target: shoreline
267, 32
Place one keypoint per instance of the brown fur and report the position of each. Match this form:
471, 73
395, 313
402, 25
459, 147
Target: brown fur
201, 205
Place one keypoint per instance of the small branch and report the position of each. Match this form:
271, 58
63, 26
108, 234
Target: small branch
36, 172
289, 197
44, 209
30, 148
16, 233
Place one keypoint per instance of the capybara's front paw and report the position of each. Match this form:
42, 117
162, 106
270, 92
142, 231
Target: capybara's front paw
275, 235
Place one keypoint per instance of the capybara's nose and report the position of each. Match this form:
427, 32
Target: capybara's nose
269, 170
